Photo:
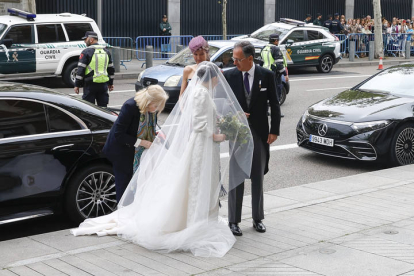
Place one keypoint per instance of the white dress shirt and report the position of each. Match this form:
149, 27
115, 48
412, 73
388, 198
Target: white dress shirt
251, 76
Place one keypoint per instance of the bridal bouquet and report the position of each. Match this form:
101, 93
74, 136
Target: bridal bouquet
231, 126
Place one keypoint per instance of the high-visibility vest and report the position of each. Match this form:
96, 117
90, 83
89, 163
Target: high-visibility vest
267, 56
99, 62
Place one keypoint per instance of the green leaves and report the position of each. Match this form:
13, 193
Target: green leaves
234, 130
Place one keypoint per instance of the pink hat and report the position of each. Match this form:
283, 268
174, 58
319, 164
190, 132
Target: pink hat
198, 43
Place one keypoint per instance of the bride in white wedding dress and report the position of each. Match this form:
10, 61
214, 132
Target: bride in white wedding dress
172, 201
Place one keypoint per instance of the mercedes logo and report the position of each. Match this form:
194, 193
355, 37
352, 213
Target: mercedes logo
322, 129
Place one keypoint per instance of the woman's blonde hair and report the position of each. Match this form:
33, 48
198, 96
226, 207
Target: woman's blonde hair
151, 94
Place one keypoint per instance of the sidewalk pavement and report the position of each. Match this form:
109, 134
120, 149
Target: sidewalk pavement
357, 225
134, 67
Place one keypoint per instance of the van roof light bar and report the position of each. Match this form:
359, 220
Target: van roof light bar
292, 21
29, 16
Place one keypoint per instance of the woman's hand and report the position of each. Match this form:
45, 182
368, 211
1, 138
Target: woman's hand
219, 137
146, 144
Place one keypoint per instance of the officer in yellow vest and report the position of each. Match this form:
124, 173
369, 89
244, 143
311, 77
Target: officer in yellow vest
273, 60
95, 71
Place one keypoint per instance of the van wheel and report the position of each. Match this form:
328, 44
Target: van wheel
325, 64
69, 74
91, 193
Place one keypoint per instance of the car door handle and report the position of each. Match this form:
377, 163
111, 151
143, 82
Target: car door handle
303, 47
63, 146
30, 50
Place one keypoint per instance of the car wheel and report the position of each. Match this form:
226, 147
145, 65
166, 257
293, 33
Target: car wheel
325, 64
69, 74
402, 151
91, 193
283, 96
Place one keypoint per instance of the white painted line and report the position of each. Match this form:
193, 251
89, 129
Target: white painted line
274, 148
110, 92
327, 89
329, 78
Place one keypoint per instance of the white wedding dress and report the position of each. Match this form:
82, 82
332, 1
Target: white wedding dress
172, 202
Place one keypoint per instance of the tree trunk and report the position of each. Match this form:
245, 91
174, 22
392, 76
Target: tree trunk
379, 47
31, 6
224, 19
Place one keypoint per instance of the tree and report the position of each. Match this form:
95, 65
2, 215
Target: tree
379, 47
31, 6
224, 17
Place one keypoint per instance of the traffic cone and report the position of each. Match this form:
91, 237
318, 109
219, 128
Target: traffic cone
380, 66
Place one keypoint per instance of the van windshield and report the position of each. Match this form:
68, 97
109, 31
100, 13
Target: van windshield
3, 27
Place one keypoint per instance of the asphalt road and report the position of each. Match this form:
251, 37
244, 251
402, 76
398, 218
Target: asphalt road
289, 165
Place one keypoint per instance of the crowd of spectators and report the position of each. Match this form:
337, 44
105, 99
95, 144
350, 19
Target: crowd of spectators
397, 33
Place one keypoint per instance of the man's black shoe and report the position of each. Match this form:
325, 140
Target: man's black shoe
281, 115
259, 226
235, 229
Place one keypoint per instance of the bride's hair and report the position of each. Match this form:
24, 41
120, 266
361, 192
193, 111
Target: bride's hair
206, 71
151, 94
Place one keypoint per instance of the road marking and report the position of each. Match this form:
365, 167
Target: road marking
274, 148
344, 77
110, 92
321, 89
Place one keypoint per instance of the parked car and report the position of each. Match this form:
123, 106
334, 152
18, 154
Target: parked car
170, 74
302, 44
43, 45
372, 121
51, 155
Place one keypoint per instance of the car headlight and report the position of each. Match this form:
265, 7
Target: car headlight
305, 116
140, 76
370, 126
172, 81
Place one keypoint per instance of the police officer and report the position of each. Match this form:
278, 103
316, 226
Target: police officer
95, 71
273, 60
336, 26
308, 19
327, 23
318, 20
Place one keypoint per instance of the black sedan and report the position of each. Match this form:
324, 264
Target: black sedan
51, 155
371, 121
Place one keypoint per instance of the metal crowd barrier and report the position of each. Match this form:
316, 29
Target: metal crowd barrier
344, 43
127, 47
361, 43
396, 43
218, 37
164, 46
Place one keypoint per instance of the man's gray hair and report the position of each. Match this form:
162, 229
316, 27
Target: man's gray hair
247, 47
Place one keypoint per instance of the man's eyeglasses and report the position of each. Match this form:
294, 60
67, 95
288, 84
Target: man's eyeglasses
238, 59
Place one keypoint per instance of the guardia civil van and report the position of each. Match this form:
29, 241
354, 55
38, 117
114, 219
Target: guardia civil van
302, 44
42, 45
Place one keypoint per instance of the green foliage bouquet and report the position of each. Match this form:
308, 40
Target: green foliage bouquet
234, 130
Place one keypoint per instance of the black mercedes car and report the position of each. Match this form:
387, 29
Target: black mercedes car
51, 155
371, 121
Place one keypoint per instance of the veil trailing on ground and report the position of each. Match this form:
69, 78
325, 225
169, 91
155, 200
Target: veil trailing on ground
171, 202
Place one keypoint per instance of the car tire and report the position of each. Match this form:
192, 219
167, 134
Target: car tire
69, 73
91, 193
402, 145
326, 63
283, 98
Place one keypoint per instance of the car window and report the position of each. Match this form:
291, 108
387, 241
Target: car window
225, 58
60, 121
264, 32
296, 36
398, 80
20, 34
50, 33
21, 118
315, 35
76, 31
3, 27
185, 57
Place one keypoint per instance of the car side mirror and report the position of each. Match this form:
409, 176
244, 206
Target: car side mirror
7, 42
289, 42
219, 64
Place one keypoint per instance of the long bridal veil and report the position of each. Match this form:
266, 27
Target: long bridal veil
171, 202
